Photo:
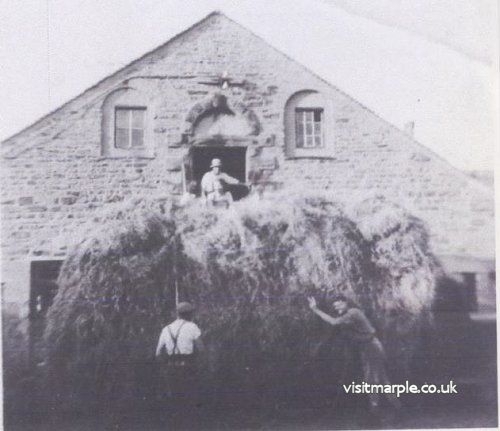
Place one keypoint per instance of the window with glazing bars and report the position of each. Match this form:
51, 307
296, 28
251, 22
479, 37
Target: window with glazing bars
308, 127
129, 127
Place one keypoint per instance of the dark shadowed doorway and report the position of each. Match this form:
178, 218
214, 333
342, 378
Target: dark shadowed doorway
233, 163
43, 288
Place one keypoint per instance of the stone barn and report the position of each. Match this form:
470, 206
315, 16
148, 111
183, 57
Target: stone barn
218, 90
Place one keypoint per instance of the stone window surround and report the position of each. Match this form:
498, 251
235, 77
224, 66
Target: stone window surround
126, 97
309, 99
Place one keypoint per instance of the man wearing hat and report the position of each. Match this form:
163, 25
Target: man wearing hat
213, 184
177, 346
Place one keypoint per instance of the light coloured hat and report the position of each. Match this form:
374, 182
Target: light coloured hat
185, 307
215, 162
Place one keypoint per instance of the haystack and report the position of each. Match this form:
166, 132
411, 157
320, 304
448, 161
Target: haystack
404, 277
249, 269
111, 301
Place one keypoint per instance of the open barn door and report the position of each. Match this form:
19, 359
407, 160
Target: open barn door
233, 163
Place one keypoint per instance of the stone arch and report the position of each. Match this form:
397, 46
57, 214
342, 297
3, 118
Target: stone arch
218, 107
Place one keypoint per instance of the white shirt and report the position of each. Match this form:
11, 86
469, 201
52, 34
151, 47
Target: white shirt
186, 336
212, 182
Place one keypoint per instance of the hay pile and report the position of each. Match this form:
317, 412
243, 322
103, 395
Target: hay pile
249, 270
404, 277
110, 303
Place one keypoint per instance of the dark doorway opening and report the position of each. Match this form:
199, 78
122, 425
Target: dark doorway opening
43, 280
233, 163
43, 288
457, 294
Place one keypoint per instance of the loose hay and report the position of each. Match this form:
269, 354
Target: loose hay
249, 270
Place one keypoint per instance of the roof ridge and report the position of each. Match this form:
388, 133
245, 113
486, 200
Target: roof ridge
111, 75
219, 13
480, 185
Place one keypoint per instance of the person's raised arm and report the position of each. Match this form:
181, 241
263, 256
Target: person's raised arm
229, 179
324, 316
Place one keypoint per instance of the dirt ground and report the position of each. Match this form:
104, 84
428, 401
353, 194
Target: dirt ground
432, 415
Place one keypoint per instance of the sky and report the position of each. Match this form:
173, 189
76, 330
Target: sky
433, 62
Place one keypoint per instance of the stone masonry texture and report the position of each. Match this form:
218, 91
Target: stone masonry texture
54, 175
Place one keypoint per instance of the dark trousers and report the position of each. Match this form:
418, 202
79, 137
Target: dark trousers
179, 392
179, 378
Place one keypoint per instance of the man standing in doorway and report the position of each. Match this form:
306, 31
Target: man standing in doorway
213, 185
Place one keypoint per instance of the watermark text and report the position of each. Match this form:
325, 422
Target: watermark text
399, 389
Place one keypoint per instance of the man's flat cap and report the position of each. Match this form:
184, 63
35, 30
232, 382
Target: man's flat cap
185, 307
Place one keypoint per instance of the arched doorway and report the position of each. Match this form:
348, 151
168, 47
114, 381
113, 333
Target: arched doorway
223, 130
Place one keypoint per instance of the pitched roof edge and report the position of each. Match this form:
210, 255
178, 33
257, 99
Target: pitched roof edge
475, 182
39, 122
107, 77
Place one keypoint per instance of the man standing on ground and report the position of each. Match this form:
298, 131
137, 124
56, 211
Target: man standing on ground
358, 329
178, 346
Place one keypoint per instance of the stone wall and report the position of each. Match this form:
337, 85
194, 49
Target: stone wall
54, 175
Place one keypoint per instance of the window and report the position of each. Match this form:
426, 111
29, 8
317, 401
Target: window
308, 127
127, 124
129, 127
